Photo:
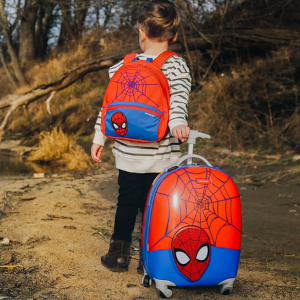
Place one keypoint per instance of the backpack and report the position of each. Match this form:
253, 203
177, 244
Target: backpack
137, 100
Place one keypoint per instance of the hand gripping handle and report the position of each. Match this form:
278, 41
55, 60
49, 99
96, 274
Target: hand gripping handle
187, 157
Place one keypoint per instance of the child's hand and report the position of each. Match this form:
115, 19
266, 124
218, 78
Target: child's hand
181, 132
96, 151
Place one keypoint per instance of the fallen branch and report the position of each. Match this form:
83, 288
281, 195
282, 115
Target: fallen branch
14, 101
27, 198
48, 102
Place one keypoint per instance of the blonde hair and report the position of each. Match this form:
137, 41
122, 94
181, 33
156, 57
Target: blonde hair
160, 20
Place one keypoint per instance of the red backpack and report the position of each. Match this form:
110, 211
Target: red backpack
137, 100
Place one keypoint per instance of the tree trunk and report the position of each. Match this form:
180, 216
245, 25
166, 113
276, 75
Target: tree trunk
80, 16
27, 30
6, 70
108, 15
67, 19
12, 52
62, 36
43, 24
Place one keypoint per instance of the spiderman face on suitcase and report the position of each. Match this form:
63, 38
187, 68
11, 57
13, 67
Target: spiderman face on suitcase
192, 228
191, 251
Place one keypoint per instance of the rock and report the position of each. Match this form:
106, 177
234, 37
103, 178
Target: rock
38, 175
5, 242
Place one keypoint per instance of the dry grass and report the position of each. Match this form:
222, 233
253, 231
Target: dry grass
56, 66
61, 62
5, 86
61, 149
74, 109
255, 106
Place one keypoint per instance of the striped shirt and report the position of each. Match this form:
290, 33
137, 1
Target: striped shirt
137, 157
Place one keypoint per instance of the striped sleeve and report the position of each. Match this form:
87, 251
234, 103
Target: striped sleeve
99, 137
112, 70
178, 75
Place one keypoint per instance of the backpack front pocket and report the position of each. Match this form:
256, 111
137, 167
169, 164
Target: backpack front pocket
132, 121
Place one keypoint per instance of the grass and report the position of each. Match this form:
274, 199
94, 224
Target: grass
61, 149
102, 231
257, 105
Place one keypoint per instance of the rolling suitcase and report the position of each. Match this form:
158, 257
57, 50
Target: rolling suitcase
192, 227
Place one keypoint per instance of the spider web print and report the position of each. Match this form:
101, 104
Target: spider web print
133, 87
207, 199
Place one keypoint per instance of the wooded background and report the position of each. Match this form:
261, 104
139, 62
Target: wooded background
243, 55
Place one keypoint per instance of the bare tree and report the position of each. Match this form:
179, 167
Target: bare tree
12, 52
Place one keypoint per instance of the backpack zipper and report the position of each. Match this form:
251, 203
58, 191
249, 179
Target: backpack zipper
150, 111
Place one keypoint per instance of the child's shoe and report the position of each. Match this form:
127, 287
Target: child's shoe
117, 258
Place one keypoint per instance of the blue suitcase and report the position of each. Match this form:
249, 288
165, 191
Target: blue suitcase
192, 227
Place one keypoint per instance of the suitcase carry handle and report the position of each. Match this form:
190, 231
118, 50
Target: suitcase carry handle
187, 157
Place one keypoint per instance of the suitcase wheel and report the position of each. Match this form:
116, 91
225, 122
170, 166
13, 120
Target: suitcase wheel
226, 286
226, 292
147, 281
162, 295
226, 289
164, 292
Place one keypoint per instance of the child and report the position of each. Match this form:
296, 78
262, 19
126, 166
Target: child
140, 163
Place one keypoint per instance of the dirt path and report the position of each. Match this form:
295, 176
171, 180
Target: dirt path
58, 229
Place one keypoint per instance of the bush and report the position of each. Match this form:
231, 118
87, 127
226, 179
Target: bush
62, 150
256, 106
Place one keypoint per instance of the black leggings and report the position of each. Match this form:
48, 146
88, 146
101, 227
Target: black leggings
133, 191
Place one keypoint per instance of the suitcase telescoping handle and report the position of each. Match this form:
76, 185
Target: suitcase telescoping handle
194, 134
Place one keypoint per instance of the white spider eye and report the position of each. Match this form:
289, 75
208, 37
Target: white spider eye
202, 253
182, 257
124, 125
115, 126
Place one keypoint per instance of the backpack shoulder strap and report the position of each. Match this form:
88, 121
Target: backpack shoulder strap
160, 60
129, 57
